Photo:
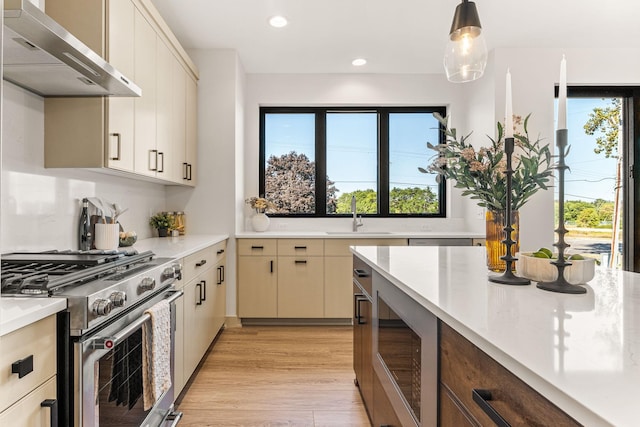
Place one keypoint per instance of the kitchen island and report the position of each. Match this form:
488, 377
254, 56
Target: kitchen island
578, 351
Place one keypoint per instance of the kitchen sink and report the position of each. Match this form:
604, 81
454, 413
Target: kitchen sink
355, 233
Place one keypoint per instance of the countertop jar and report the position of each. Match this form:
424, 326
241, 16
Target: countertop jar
179, 221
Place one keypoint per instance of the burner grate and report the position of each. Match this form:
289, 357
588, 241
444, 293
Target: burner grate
43, 273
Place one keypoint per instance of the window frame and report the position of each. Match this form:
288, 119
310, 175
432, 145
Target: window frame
382, 189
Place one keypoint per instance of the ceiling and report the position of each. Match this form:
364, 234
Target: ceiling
395, 36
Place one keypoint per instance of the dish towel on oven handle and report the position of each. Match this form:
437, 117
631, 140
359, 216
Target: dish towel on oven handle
156, 353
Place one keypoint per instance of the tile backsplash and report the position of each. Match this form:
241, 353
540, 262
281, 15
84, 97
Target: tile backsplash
40, 208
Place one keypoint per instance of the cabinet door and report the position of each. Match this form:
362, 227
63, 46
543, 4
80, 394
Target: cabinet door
192, 328
337, 287
146, 159
363, 348
179, 127
120, 33
179, 374
164, 110
191, 131
257, 287
28, 412
220, 305
206, 318
300, 287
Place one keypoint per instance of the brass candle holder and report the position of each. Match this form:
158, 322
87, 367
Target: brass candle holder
508, 278
560, 284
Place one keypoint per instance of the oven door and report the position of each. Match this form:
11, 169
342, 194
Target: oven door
108, 372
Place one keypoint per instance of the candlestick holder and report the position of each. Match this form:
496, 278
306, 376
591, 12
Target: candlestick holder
560, 284
508, 278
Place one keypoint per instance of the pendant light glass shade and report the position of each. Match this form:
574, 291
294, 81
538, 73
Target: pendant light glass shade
465, 57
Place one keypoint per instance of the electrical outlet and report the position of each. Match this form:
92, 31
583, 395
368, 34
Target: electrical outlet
480, 213
425, 227
282, 226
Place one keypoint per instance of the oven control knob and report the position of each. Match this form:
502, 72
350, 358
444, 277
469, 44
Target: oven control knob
102, 307
118, 298
147, 284
177, 268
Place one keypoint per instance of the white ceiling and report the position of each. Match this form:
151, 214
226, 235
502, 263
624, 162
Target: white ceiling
395, 36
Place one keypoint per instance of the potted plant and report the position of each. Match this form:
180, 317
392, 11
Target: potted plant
480, 175
260, 221
163, 222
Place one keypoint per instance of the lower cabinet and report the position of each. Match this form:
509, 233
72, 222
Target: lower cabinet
201, 311
31, 410
466, 370
30, 350
298, 278
363, 346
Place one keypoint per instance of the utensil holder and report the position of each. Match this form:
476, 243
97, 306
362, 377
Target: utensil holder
107, 236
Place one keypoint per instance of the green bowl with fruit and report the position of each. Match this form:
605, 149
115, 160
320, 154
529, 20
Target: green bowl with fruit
537, 267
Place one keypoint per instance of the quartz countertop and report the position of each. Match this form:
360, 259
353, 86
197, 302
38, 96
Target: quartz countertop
358, 235
18, 312
579, 351
178, 247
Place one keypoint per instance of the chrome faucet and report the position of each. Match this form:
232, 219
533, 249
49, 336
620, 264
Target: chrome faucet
357, 221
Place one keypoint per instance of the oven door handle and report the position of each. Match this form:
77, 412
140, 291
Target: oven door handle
110, 342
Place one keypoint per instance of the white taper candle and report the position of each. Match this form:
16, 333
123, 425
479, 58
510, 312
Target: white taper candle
562, 95
508, 119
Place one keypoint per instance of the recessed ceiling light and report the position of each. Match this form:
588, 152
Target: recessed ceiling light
358, 62
278, 21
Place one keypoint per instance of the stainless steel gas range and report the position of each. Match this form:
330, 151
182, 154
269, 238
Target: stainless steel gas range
99, 335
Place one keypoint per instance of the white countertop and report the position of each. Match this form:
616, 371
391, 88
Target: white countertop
580, 351
359, 235
178, 247
18, 312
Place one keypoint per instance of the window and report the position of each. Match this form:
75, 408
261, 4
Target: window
314, 160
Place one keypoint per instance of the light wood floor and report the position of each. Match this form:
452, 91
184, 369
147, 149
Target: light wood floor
276, 376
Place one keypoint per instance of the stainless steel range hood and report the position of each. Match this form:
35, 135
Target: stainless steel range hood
43, 57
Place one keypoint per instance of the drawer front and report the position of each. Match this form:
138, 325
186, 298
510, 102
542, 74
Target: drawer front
220, 251
197, 263
38, 341
340, 247
464, 367
300, 247
257, 247
362, 273
28, 412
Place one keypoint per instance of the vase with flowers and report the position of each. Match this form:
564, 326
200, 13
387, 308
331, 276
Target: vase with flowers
480, 175
260, 221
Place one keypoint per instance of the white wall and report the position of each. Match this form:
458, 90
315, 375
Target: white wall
347, 90
41, 207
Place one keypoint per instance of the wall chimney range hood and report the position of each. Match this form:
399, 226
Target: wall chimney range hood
44, 58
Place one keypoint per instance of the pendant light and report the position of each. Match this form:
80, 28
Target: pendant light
466, 54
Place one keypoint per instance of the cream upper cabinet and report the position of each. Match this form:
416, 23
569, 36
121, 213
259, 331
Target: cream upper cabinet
145, 136
189, 176
119, 119
145, 75
179, 129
